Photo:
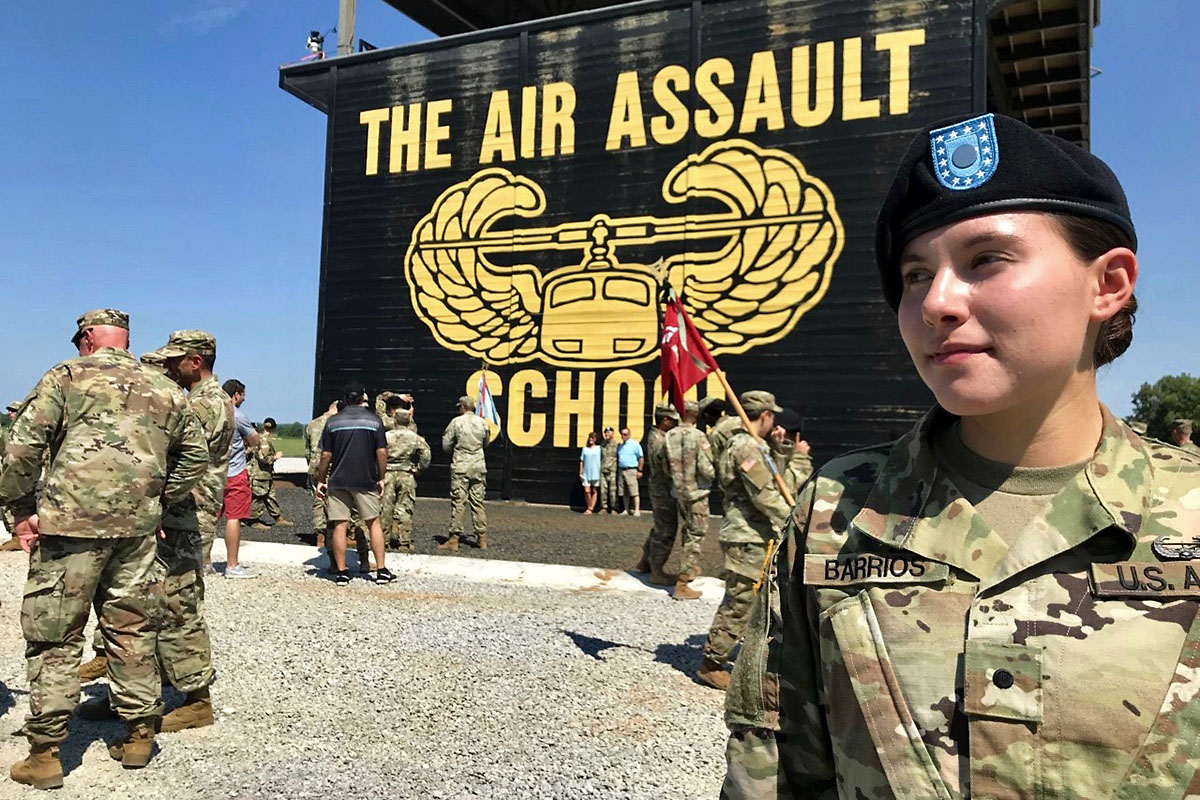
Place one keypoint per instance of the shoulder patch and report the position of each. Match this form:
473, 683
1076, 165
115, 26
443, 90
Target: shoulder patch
749, 463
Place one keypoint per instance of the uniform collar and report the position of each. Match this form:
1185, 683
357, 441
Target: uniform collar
914, 506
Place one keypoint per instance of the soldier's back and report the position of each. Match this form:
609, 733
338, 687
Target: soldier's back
114, 422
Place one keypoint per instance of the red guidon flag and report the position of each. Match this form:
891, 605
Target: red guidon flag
685, 358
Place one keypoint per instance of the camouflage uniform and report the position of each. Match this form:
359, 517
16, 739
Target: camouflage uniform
608, 474
795, 466
112, 427
662, 498
189, 526
465, 437
689, 457
1068, 660
754, 513
262, 479
720, 435
389, 422
408, 457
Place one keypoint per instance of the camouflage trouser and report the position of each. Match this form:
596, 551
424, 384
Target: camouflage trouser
466, 489
608, 490
262, 498
320, 521
66, 574
399, 501
743, 566
184, 649
666, 525
693, 524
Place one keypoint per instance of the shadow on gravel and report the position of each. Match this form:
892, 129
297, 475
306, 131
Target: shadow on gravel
8, 699
82, 732
684, 657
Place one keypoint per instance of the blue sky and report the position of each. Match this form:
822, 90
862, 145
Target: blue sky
151, 163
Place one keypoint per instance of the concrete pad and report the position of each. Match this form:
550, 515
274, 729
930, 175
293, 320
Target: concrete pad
515, 573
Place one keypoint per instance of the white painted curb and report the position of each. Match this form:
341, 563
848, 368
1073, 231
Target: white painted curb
518, 573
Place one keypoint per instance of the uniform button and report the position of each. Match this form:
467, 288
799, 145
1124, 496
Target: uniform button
1002, 678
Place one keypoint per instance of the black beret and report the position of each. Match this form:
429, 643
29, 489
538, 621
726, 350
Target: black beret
960, 168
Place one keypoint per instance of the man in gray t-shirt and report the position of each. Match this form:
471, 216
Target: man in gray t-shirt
237, 482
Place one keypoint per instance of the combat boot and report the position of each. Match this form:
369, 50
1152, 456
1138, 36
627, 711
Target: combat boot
713, 674
394, 543
660, 578
94, 669
684, 591
12, 544
285, 523
196, 712
450, 545
481, 541
134, 750
643, 564
406, 547
41, 769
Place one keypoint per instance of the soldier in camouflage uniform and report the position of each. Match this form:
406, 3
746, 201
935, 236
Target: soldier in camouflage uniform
608, 471
1003, 602
408, 457
657, 547
356, 530
184, 649
754, 513
465, 437
689, 457
1181, 436
122, 442
5, 515
719, 436
261, 463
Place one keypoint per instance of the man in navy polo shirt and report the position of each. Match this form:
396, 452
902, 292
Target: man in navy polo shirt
354, 462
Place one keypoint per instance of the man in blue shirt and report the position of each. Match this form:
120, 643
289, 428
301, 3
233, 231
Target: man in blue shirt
630, 461
237, 484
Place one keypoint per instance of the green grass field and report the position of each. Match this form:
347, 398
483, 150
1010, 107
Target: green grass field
290, 445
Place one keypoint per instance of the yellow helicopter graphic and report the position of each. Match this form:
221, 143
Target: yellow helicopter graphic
783, 237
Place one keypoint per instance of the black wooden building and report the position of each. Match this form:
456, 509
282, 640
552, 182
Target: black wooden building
509, 201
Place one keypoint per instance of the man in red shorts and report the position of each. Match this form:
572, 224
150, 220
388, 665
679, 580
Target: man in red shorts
237, 484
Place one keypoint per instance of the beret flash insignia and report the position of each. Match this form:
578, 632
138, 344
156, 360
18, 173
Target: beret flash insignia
965, 155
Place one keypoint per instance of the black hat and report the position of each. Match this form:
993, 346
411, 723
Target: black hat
789, 420
961, 168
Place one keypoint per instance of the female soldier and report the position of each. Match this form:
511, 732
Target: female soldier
1003, 602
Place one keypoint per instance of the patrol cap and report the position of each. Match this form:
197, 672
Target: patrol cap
14, 406
466, 403
101, 316
666, 410
961, 168
1138, 427
691, 407
181, 343
154, 358
758, 400
1182, 424
789, 420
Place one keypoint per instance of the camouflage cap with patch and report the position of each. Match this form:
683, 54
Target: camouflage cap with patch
154, 358
466, 403
182, 343
691, 407
14, 406
757, 400
99, 316
1181, 424
666, 410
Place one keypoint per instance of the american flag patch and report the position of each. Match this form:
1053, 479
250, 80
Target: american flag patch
749, 463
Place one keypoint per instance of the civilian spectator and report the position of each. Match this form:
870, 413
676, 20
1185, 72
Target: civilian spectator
237, 482
630, 463
351, 475
589, 471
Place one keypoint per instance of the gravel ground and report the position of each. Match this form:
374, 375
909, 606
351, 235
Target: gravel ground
425, 688
516, 532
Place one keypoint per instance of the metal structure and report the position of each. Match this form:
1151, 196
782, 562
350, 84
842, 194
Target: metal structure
511, 201
1038, 65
